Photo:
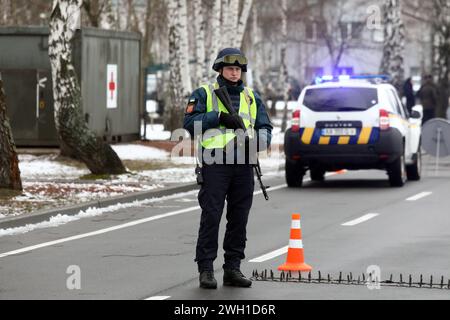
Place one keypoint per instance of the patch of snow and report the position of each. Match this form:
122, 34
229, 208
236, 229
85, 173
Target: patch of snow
90, 212
155, 132
137, 152
47, 167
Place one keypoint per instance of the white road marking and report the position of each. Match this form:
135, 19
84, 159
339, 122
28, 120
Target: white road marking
118, 227
98, 232
271, 255
360, 220
419, 196
158, 298
132, 224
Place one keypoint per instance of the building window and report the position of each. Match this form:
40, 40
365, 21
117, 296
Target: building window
311, 30
351, 30
357, 29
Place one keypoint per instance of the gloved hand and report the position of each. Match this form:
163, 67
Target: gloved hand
230, 121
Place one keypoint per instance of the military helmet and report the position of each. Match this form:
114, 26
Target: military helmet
230, 57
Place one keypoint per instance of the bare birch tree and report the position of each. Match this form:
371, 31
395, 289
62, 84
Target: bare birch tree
9, 162
332, 29
441, 53
200, 54
173, 112
284, 77
257, 52
242, 23
99, 13
24, 12
392, 62
225, 23
184, 51
216, 39
73, 131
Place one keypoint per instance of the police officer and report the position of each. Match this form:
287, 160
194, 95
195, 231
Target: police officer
231, 180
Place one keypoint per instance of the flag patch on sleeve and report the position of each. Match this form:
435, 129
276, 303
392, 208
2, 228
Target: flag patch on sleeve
191, 105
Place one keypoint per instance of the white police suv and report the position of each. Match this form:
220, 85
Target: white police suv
353, 123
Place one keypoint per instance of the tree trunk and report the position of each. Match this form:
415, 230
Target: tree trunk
216, 42
233, 17
173, 112
242, 23
73, 131
9, 162
441, 56
184, 51
257, 54
199, 28
284, 79
392, 62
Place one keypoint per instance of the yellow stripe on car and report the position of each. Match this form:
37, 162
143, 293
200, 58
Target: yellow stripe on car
307, 135
324, 140
365, 135
344, 140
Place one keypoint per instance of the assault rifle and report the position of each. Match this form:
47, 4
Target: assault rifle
223, 95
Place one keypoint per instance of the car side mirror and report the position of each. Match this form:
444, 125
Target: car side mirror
415, 114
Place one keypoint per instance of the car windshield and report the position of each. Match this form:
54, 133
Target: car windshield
340, 99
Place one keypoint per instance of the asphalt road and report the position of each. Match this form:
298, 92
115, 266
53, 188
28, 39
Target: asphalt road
147, 251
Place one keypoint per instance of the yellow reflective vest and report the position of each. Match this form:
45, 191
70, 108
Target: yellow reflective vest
247, 111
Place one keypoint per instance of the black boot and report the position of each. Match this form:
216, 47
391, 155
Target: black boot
235, 278
207, 280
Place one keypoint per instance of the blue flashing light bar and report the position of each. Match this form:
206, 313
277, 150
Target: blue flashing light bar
344, 77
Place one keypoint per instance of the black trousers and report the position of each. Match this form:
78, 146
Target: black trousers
235, 183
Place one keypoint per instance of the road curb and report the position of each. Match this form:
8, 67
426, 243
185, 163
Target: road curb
44, 215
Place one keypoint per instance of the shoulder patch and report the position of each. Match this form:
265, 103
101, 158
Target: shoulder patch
191, 105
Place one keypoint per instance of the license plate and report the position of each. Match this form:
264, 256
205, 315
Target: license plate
339, 132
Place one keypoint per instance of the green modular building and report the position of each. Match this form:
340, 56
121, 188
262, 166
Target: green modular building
108, 68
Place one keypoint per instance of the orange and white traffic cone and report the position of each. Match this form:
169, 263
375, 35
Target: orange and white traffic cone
295, 258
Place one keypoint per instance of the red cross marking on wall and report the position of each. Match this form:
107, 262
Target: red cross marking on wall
112, 86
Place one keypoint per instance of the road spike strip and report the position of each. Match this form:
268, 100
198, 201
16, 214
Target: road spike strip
287, 276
